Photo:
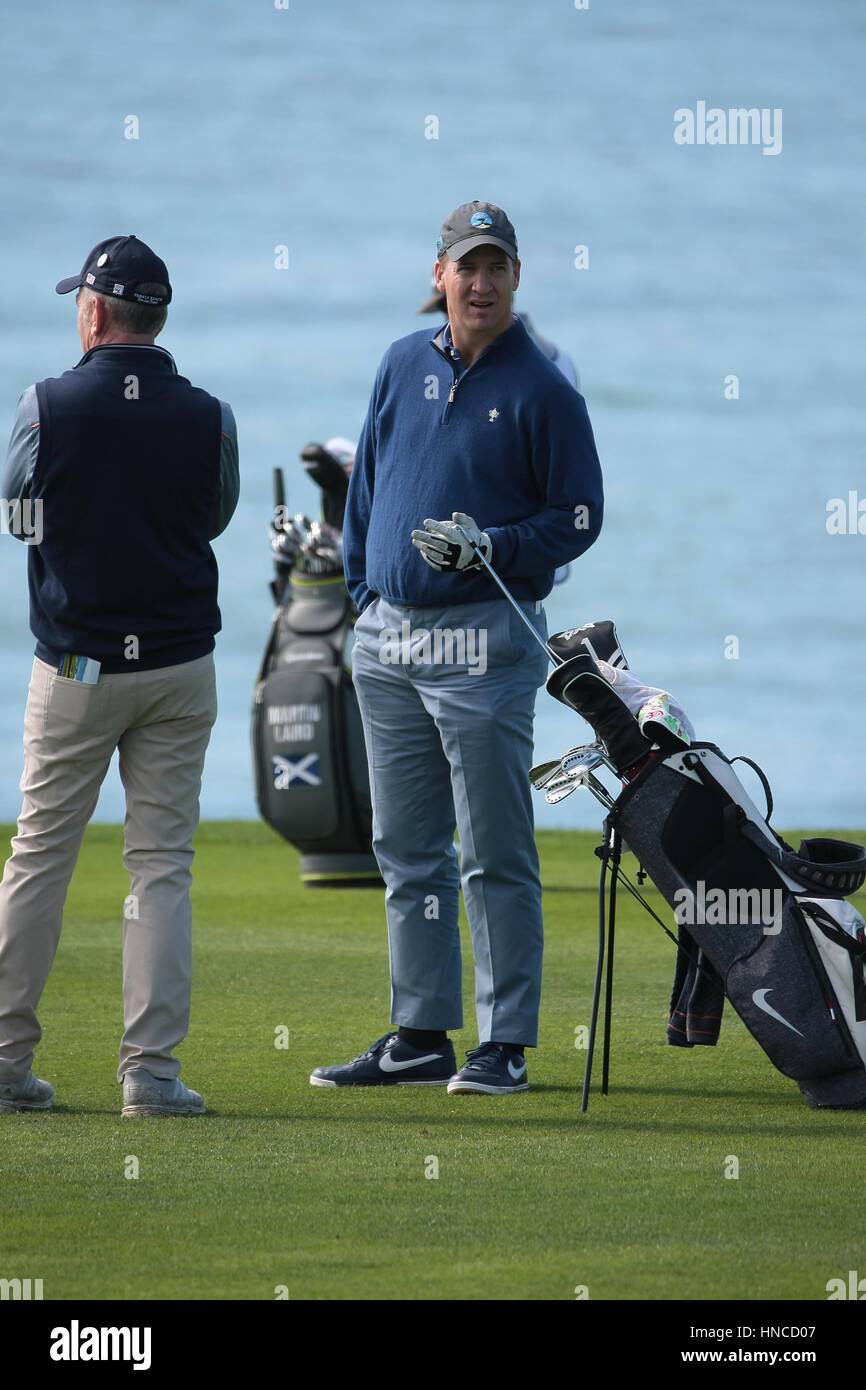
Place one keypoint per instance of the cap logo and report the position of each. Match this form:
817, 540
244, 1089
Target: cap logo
440, 243
481, 219
118, 289
103, 258
90, 278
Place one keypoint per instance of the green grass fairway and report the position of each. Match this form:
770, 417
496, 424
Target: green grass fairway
324, 1192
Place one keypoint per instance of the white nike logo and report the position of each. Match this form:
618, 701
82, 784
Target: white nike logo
516, 1071
760, 998
387, 1063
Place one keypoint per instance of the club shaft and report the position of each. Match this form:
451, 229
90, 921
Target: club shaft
548, 652
599, 791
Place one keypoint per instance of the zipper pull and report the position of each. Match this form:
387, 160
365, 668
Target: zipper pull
452, 391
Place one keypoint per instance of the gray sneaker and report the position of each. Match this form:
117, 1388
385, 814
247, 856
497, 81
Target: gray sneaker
29, 1094
144, 1094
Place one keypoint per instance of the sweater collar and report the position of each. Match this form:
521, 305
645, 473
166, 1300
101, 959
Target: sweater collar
444, 342
135, 347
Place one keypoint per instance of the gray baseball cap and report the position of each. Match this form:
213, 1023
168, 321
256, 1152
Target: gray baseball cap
476, 224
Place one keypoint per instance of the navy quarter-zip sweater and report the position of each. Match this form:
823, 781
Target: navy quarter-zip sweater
507, 441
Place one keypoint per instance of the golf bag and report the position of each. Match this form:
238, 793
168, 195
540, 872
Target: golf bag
312, 784
764, 925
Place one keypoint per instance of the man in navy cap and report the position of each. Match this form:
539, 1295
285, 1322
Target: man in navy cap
472, 431
119, 474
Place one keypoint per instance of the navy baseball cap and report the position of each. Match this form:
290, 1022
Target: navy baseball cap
476, 224
117, 267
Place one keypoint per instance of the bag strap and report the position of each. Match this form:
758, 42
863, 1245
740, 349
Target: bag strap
741, 758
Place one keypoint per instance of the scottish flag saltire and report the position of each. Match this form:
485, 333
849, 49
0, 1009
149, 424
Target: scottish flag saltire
302, 771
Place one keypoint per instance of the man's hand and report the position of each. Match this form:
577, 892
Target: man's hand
444, 545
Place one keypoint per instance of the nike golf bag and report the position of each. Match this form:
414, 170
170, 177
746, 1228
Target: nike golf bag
312, 783
764, 925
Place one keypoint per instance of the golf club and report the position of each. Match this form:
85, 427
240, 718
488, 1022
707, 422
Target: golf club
541, 774
587, 759
548, 651
559, 792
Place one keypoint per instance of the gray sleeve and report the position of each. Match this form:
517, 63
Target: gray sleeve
567, 367
230, 482
22, 452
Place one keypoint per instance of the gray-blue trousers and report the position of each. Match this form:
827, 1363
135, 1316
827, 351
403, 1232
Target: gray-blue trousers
447, 698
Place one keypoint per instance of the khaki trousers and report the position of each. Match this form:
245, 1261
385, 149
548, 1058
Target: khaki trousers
160, 722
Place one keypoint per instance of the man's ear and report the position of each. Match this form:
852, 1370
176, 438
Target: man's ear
438, 277
516, 273
99, 316
84, 319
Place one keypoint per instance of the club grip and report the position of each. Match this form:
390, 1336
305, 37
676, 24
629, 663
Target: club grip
279, 489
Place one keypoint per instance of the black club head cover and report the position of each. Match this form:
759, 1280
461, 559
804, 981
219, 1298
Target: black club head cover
599, 639
579, 684
328, 474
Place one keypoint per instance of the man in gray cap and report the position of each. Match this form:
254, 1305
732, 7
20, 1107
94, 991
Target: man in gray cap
471, 432
126, 472
435, 304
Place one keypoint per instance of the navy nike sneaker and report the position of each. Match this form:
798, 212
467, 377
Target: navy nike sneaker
392, 1062
494, 1069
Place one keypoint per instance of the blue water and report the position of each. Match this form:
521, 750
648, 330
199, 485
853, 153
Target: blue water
305, 127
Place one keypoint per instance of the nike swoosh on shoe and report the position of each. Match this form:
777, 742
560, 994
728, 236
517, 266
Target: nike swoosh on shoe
387, 1063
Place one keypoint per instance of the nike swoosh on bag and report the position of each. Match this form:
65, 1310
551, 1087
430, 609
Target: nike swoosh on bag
387, 1062
516, 1071
760, 998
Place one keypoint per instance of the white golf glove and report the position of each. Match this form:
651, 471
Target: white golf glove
444, 545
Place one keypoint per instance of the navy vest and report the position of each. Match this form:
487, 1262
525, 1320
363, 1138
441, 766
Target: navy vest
128, 473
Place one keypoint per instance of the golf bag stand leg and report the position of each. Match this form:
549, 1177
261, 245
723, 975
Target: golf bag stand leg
609, 854
615, 854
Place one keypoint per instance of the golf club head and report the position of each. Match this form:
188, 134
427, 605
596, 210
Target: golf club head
585, 759
559, 792
322, 554
541, 774
559, 777
324, 536
284, 546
